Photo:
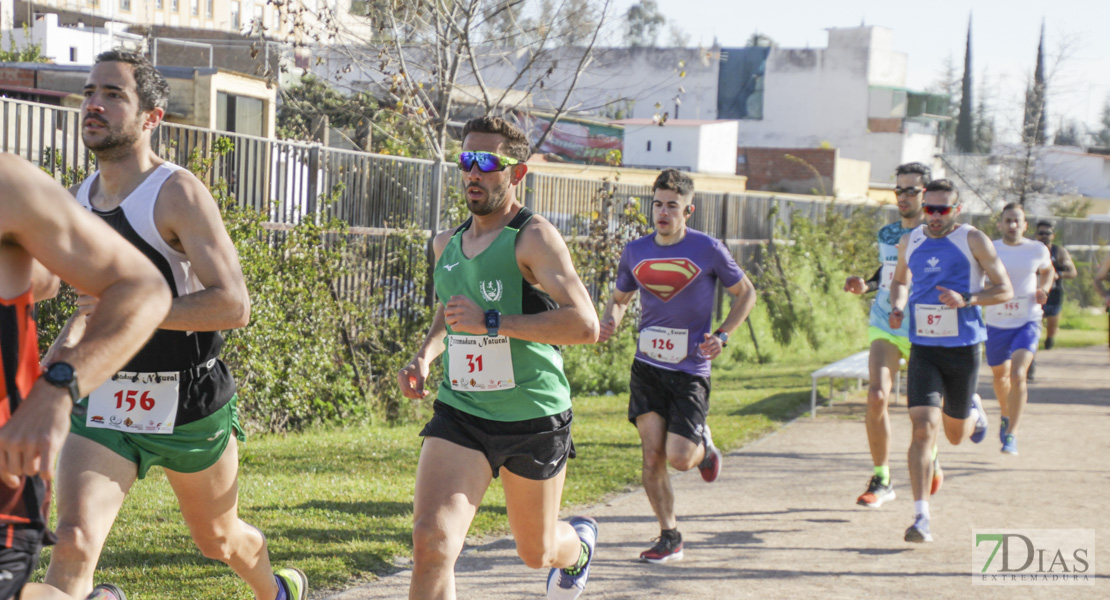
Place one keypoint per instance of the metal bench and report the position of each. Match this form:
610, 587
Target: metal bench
853, 367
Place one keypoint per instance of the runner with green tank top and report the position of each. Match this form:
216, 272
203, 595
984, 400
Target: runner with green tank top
508, 295
498, 378
888, 346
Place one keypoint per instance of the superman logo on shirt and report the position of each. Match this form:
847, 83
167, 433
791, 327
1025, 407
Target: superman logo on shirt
665, 277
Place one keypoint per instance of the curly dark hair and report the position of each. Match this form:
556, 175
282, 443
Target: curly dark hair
151, 86
516, 142
676, 181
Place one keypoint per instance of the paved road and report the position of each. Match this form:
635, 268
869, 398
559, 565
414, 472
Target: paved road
781, 522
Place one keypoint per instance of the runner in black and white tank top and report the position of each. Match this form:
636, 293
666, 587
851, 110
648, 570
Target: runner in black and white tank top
207, 384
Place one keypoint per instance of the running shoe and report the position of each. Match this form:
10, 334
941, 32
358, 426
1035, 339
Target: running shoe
710, 466
668, 547
1049, 343
106, 591
981, 425
295, 582
568, 584
1009, 445
876, 493
919, 531
938, 477
1002, 429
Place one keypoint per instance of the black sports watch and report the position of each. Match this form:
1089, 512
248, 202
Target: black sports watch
62, 375
724, 337
493, 322
967, 298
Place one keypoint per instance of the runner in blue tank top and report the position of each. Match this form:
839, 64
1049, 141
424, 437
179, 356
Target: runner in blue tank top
888, 345
947, 262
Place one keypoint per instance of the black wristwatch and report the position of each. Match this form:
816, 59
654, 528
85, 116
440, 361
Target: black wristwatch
724, 337
62, 375
967, 298
493, 322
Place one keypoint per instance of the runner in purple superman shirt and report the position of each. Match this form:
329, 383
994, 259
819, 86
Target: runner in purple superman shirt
676, 269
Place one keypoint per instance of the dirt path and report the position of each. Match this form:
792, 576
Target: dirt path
781, 522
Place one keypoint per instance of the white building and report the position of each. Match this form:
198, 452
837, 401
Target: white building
1073, 171
700, 146
851, 96
72, 45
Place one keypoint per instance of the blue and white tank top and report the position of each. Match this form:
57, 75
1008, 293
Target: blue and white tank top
946, 262
889, 236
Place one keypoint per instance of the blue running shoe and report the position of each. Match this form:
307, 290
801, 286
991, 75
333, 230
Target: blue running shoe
919, 531
1009, 445
980, 424
568, 584
1002, 430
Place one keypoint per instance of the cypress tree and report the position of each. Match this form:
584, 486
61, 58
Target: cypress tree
965, 127
1034, 124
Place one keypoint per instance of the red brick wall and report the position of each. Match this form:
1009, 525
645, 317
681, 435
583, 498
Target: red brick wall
17, 77
769, 169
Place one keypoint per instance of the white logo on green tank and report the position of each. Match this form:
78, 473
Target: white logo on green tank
491, 290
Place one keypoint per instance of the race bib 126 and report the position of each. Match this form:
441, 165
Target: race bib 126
664, 343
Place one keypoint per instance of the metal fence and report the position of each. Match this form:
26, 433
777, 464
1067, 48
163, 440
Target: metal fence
375, 194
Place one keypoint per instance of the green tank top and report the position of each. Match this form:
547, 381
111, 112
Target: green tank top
499, 378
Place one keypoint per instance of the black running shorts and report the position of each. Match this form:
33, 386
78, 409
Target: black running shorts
680, 398
535, 449
16, 567
943, 377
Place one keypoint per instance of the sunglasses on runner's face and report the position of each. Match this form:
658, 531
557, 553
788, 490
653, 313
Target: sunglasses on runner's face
1044, 234
933, 209
909, 191
487, 161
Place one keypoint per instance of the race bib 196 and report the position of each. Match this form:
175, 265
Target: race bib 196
480, 363
935, 320
664, 343
136, 403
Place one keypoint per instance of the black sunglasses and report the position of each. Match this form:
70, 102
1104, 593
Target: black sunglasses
487, 161
907, 191
1044, 233
933, 209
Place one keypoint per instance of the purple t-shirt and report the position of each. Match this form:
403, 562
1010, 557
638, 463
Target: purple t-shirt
677, 286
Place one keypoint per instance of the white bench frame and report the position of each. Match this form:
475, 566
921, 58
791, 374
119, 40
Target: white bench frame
856, 366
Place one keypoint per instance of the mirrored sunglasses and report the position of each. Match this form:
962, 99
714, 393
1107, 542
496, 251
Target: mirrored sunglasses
933, 209
907, 191
487, 161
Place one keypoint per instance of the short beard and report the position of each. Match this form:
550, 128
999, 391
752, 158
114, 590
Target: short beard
114, 145
495, 199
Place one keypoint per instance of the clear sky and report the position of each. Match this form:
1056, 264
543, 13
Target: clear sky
1004, 42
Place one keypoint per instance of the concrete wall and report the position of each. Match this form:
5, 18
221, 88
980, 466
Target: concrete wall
1071, 170
632, 79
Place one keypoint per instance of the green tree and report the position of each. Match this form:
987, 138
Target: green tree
642, 24
1068, 134
1035, 118
1102, 136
